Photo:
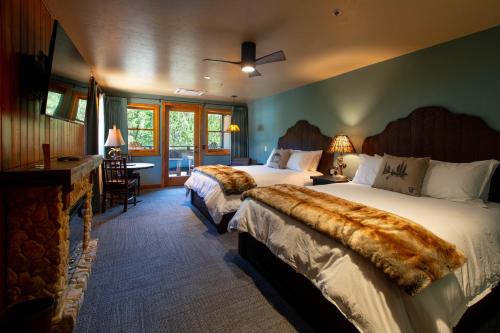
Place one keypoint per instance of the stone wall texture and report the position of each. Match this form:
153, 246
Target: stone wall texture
38, 241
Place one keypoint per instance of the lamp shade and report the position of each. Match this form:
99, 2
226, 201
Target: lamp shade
341, 144
233, 128
115, 138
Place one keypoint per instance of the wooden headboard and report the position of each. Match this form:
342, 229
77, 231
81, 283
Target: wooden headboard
436, 132
304, 136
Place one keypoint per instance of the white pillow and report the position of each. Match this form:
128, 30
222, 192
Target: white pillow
457, 181
270, 156
300, 160
367, 169
315, 159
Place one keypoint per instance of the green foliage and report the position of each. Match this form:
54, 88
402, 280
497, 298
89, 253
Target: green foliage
80, 113
140, 128
54, 101
214, 122
181, 128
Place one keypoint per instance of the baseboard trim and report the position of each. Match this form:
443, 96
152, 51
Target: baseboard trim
150, 186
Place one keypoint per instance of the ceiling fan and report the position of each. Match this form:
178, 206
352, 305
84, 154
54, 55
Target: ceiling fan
249, 61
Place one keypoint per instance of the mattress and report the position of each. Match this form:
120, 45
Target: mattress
219, 204
360, 290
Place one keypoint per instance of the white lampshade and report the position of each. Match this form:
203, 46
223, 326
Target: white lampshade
115, 138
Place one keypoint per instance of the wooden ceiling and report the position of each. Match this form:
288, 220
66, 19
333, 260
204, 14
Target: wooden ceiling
156, 46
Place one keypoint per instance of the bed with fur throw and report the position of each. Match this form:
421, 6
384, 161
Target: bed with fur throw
231, 180
406, 252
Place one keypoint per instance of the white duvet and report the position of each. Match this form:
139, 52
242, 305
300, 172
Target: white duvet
361, 291
219, 204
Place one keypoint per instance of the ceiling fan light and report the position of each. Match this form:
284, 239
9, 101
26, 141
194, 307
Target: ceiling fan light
248, 69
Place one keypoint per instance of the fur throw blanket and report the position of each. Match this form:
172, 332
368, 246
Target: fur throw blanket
406, 252
231, 180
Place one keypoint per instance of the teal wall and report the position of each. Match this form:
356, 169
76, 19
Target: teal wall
462, 75
154, 176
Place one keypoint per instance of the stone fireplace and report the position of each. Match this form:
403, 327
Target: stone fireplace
38, 255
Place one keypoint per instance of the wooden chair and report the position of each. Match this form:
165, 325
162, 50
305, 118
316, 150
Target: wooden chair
116, 181
133, 174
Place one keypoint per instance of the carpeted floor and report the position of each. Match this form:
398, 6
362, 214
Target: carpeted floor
162, 268
159, 268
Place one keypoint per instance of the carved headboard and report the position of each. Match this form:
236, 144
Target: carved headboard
436, 132
304, 136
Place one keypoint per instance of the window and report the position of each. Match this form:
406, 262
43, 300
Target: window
217, 138
78, 106
54, 102
143, 129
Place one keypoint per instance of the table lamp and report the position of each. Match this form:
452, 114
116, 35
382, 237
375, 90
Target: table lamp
114, 140
342, 145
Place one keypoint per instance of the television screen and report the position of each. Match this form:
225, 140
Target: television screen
69, 75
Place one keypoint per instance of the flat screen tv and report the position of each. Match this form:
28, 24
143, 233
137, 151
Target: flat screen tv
67, 79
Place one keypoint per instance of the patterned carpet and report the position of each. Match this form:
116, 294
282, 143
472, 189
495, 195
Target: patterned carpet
162, 268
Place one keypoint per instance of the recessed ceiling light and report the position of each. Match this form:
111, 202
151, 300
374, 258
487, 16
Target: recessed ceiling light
206, 77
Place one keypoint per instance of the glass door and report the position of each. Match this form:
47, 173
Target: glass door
183, 142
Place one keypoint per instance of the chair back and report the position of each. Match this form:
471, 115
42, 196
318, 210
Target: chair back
115, 171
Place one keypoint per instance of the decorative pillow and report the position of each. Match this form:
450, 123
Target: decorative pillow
401, 174
458, 181
300, 160
279, 158
367, 169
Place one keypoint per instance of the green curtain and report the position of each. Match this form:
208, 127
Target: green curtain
115, 113
239, 140
92, 120
92, 137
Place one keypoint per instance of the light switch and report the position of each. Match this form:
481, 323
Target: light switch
265, 148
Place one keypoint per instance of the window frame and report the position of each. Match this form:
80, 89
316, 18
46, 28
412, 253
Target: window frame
156, 130
219, 151
75, 99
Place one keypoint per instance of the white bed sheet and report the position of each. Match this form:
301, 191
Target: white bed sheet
361, 291
219, 204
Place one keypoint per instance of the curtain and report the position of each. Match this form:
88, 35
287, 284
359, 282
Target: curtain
92, 137
239, 140
92, 120
115, 113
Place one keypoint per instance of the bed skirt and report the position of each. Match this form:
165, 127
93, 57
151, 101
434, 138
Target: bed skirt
198, 202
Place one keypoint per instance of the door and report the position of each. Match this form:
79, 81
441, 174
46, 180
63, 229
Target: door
182, 142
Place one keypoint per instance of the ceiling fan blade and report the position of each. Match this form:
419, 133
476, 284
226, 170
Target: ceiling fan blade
273, 57
228, 62
254, 73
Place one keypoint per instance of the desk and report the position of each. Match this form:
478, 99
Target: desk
139, 166
133, 167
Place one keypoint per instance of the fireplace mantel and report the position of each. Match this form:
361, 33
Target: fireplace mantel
38, 203
60, 173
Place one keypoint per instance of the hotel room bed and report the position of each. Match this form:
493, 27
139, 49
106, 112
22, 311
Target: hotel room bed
349, 293
219, 208
219, 204
359, 289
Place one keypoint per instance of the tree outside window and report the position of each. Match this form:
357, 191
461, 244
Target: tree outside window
217, 138
143, 129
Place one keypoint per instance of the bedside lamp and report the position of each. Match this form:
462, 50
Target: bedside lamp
114, 140
342, 145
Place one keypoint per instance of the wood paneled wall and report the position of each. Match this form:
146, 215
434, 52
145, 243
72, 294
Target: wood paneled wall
26, 27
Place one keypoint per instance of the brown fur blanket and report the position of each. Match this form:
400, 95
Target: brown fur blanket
405, 251
232, 181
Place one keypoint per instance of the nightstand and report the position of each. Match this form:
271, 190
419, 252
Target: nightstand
323, 180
